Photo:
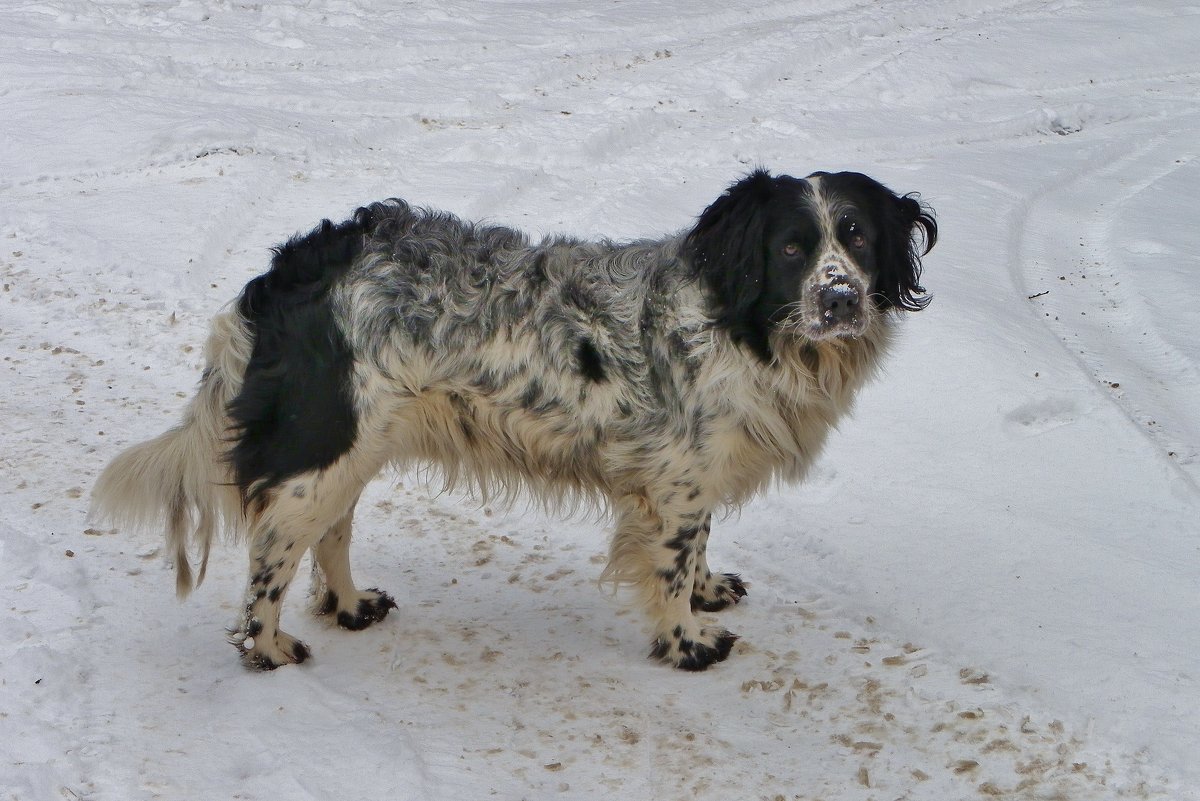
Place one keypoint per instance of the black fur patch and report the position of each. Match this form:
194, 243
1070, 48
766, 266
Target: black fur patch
295, 411
695, 656
591, 363
370, 610
727, 249
733, 589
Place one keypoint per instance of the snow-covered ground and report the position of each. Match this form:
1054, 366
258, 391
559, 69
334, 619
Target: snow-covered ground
991, 586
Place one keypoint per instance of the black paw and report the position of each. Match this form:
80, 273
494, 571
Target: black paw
718, 592
371, 609
286, 650
713, 646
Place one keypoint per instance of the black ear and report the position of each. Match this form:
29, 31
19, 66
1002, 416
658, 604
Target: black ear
909, 231
728, 252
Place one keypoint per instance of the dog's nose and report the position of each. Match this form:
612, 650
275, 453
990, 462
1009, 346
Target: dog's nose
839, 302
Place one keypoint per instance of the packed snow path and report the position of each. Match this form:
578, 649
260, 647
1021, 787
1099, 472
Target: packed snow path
987, 590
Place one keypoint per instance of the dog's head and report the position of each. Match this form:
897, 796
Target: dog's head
818, 258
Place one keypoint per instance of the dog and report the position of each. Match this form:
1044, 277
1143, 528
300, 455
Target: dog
662, 379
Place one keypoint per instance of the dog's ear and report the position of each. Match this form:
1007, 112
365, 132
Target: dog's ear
908, 232
728, 251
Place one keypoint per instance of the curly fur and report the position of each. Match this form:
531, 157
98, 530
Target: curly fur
662, 379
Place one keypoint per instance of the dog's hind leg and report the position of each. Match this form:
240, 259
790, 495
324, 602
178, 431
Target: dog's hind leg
287, 520
334, 592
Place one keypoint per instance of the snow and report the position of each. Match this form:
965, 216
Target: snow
990, 588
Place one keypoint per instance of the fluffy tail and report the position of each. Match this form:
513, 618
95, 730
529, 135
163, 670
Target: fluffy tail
180, 480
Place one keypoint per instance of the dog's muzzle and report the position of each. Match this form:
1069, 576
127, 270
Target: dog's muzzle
835, 304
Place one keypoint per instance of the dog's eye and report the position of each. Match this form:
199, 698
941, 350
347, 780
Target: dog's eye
791, 250
855, 236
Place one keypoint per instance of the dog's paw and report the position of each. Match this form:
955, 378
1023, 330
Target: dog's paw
693, 653
357, 612
267, 653
713, 593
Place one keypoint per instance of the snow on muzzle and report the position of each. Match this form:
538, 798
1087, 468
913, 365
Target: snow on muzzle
835, 303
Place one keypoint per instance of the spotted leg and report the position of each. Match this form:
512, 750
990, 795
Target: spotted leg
287, 520
656, 551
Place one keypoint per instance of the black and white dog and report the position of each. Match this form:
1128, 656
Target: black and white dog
665, 379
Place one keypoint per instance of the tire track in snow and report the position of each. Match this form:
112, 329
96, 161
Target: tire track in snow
1087, 302
1147, 81
919, 24
601, 84
136, 168
792, 48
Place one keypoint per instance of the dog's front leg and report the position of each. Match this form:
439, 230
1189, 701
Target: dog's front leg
658, 549
680, 638
713, 592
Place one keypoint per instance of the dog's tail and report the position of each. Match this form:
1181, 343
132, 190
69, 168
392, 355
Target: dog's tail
180, 480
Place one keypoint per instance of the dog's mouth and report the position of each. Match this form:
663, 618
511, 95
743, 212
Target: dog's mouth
842, 329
